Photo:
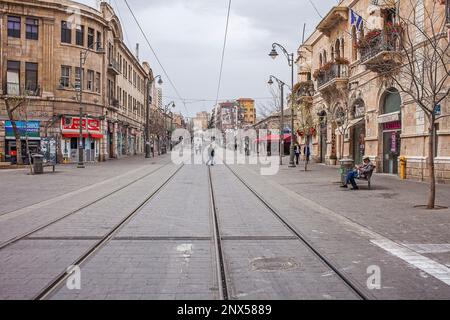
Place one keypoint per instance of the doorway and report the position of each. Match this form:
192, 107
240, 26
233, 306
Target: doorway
391, 151
359, 143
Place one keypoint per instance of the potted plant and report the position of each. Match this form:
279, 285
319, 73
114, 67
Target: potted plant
342, 60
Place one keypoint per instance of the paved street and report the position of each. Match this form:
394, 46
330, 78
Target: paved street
148, 229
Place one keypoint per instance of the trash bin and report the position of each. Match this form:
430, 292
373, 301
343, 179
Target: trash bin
347, 165
38, 163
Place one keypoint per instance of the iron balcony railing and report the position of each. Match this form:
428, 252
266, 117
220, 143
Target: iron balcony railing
114, 66
337, 71
381, 43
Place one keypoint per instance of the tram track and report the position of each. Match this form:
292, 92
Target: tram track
220, 262
24, 235
350, 283
47, 291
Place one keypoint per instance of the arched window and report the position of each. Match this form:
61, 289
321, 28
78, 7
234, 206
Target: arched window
342, 48
354, 44
337, 49
324, 57
392, 101
320, 60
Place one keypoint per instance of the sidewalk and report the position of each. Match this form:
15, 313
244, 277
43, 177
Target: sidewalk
19, 189
387, 209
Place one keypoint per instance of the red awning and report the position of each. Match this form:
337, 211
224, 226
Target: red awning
85, 135
275, 137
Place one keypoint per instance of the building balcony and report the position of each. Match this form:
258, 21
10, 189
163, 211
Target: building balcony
335, 77
337, 15
304, 91
113, 66
382, 52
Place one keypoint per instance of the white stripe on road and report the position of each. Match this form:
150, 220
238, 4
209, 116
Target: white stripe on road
433, 268
429, 248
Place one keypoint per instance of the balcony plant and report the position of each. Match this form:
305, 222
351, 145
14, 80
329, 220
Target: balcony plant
342, 60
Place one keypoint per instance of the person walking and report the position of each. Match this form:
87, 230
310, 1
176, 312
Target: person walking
307, 153
297, 153
211, 154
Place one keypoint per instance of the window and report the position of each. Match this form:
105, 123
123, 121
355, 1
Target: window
90, 80
80, 36
90, 40
97, 82
66, 32
13, 78
99, 40
79, 77
129, 73
130, 104
124, 98
32, 29
31, 78
14, 26
124, 68
65, 76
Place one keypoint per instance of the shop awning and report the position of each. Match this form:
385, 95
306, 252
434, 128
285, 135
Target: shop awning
85, 135
350, 124
274, 137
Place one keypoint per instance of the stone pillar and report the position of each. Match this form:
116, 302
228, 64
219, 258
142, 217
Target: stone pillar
49, 69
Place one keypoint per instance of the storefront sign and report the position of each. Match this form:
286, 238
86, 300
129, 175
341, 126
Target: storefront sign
394, 142
27, 129
396, 125
391, 117
70, 127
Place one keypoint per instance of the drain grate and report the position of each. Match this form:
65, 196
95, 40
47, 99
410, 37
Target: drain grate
274, 264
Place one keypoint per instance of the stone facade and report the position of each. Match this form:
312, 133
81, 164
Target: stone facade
380, 121
115, 84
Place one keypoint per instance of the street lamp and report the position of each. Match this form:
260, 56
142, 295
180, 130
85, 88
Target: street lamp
281, 85
83, 56
290, 57
166, 109
147, 117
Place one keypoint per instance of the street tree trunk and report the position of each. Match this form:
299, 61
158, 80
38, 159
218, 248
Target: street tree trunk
431, 146
9, 111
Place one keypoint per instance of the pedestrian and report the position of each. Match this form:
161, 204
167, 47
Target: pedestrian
307, 152
297, 153
211, 154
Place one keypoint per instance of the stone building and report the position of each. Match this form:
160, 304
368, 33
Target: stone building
42, 43
357, 112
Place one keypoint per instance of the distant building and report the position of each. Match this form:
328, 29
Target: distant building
249, 110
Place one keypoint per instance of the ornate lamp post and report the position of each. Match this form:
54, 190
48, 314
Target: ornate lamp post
83, 56
290, 57
281, 85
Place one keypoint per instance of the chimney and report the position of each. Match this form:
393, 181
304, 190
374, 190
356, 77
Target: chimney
137, 51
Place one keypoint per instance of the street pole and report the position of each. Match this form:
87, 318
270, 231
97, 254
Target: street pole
147, 122
292, 155
80, 145
282, 125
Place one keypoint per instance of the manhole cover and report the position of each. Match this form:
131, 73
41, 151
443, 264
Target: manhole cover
274, 264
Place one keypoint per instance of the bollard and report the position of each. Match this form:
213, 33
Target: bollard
403, 168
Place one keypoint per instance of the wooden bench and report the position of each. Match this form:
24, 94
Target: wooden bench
368, 178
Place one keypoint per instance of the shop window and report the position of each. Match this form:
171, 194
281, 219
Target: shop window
31, 78
14, 24
13, 78
80, 36
65, 76
32, 29
66, 32
90, 38
73, 143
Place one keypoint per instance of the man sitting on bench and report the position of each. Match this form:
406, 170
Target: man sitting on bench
361, 172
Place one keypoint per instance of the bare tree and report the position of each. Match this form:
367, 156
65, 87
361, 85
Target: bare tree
272, 106
420, 70
13, 105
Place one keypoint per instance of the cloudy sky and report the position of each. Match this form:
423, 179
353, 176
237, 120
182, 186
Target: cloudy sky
187, 36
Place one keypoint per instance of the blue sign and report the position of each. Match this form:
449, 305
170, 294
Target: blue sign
437, 110
26, 129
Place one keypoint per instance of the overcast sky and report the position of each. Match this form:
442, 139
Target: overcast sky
187, 36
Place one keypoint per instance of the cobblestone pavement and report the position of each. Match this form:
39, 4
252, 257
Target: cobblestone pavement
166, 250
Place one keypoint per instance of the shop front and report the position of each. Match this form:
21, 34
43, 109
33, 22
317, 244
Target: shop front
91, 136
391, 129
29, 131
